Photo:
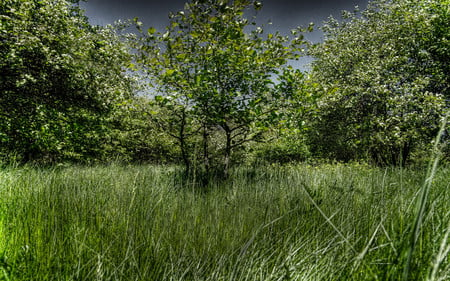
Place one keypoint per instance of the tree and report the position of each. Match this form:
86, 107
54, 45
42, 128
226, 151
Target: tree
137, 135
297, 107
214, 70
385, 83
61, 79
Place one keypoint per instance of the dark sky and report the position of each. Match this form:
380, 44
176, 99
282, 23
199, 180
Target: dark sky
284, 14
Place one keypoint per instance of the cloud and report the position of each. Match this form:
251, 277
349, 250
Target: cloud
285, 14
151, 12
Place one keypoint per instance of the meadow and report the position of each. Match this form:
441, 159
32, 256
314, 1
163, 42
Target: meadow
292, 222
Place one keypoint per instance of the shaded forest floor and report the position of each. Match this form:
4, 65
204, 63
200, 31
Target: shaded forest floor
298, 222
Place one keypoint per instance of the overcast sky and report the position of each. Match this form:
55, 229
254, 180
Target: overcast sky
284, 14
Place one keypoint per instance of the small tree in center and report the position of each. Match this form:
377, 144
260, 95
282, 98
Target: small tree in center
215, 68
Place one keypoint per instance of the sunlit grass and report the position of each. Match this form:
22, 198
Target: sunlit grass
327, 222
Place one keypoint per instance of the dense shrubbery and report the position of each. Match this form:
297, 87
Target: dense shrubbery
61, 80
384, 75
222, 93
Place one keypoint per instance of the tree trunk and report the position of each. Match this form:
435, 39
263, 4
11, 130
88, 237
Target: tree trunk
205, 150
184, 153
227, 155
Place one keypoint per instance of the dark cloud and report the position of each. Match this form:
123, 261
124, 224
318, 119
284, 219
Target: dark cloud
285, 14
151, 12
288, 14
285, 11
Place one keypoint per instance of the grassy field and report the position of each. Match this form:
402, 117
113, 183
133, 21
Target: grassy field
327, 222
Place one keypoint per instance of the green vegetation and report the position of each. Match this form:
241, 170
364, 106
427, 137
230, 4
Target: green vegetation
192, 153
327, 222
384, 73
215, 89
61, 80
223, 92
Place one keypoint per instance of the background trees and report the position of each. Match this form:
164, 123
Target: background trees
221, 85
384, 74
214, 72
61, 79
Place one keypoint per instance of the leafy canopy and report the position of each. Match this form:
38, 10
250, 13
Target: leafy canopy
216, 68
384, 72
61, 77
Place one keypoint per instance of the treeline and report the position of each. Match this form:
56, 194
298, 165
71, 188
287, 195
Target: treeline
215, 88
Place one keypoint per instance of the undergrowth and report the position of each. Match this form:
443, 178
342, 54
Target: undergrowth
298, 222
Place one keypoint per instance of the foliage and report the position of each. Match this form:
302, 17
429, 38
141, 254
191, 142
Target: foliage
284, 146
61, 79
384, 74
213, 69
137, 134
288, 138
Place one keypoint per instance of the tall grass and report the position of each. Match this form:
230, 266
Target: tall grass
422, 202
327, 222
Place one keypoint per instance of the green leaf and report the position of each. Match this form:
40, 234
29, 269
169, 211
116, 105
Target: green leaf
170, 72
